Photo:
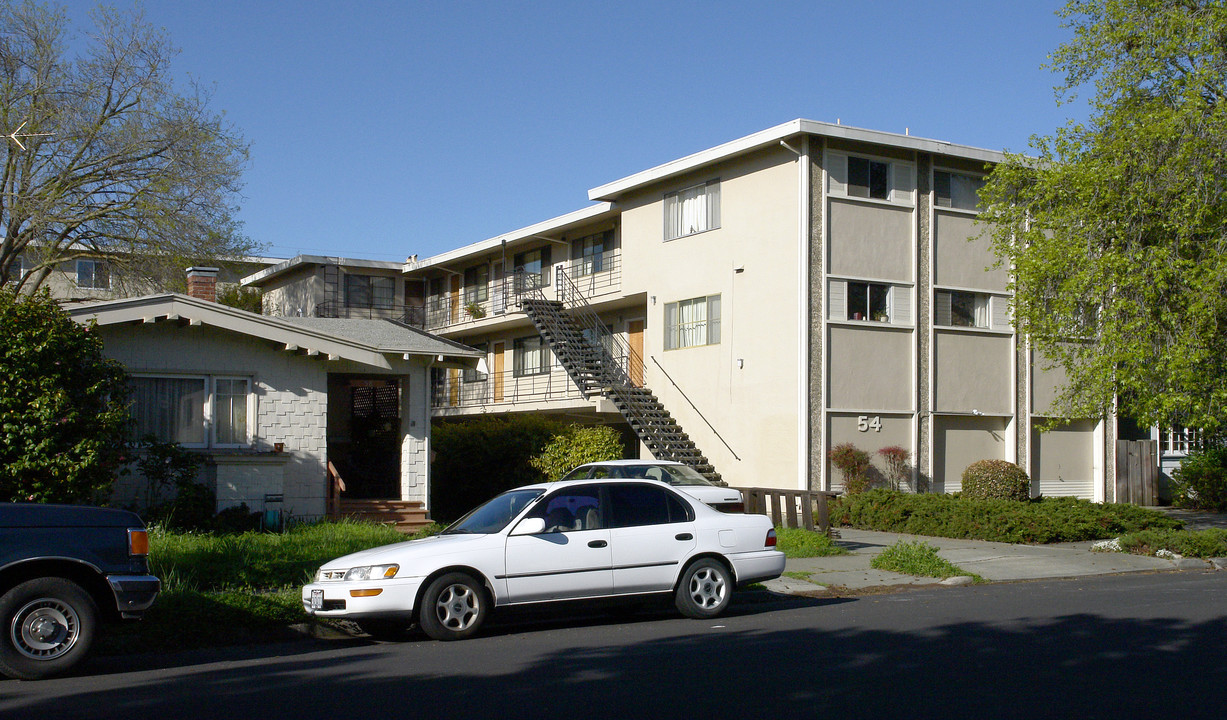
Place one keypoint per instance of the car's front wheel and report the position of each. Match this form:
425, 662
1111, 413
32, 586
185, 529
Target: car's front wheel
453, 607
48, 625
705, 589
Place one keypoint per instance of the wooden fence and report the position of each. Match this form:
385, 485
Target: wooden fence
1137, 472
809, 509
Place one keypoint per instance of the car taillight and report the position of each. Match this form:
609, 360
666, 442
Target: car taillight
771, 537
138, 542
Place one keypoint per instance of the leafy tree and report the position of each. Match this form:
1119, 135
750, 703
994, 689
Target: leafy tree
63, 411
237, 296
111, 159
1116, 230
575, 446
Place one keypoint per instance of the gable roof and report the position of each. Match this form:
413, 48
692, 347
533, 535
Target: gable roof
376, 343
773, 136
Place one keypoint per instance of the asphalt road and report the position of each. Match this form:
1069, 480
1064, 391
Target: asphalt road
1131, 646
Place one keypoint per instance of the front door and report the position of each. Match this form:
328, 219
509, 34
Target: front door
634, 335
454, 299
364, 434
499, 350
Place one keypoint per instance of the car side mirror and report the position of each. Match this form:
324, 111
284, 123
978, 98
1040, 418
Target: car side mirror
530, 526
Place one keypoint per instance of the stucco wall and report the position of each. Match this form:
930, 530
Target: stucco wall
972, 373
871, 240
749, 385
963, 255
871, 369
960, 441
1063, 459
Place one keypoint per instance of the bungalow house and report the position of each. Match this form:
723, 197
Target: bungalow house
283, 408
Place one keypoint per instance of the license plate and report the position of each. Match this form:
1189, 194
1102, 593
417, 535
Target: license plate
317, 599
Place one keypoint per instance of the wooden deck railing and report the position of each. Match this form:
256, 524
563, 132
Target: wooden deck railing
809, 509
336, 486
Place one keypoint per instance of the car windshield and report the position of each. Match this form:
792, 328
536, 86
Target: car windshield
683, 475
494, 515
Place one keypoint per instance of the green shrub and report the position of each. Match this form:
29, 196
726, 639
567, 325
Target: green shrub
853, 464
1201, 480
63, 406
479, 458
575, 446
1202, 544
802, 543
1045, 520
996, 480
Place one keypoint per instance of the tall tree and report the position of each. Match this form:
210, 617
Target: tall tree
109, 157
1116, 228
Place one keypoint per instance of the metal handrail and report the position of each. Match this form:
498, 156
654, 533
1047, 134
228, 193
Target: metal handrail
696, 409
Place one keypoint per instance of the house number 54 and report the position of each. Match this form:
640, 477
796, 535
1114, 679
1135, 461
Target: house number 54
864, 423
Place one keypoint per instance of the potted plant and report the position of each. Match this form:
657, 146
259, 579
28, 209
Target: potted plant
475, 311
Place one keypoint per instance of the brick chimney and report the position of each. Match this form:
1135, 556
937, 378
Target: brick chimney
202, 283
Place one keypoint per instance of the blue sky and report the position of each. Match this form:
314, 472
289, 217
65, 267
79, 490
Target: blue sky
382, 129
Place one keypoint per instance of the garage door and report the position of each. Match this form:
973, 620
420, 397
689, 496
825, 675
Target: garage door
1063, 459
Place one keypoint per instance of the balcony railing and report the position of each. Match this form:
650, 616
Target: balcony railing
449, 389
593, 276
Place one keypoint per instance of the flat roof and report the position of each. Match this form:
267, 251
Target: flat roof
772, 136
562, 223
298, 261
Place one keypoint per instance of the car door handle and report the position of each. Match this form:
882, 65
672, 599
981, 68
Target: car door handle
683, 536
597, 544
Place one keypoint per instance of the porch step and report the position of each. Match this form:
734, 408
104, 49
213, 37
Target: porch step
406, 516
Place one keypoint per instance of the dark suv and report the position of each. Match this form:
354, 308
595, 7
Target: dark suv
63, 568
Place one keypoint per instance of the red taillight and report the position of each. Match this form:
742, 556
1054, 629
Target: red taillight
138, 542
771, 537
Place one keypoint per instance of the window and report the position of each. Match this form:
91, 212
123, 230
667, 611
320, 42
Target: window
472, 374
953, 190
194, 411
956, 308
477, 284
530, 357
694, 322
370, 291
230, 416
93, 274
571, 510
870, 301
693, 210
533, 267
589, 253
635, 505
868, 178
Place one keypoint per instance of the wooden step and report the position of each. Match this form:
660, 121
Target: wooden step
406, 516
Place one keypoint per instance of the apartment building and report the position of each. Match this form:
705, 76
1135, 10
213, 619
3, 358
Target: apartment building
760, 302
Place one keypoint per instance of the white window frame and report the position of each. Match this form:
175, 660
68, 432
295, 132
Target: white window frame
705, 331
93, 265
901, 180
518, 368
209, 408
898, 302
692, 210
978, 180
993, 308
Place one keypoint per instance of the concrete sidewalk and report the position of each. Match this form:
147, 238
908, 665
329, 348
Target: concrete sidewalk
996, 562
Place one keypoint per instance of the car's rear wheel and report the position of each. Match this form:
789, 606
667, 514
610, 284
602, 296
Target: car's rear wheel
454, 607
705, 589
48, 625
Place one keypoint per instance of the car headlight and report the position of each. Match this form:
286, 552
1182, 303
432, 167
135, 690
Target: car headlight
372, 572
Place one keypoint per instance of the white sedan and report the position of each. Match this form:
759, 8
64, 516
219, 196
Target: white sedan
567, 540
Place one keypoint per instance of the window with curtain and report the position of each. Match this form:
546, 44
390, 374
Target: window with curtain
230, 411
693, 322
530, 357
957, 191
961, 309
370, 291
693, 210
589, 253
477, 283
170, 409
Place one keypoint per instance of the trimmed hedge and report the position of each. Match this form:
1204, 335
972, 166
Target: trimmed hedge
1044, 520
996, 479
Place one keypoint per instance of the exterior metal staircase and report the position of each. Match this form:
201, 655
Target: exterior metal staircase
598, 362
